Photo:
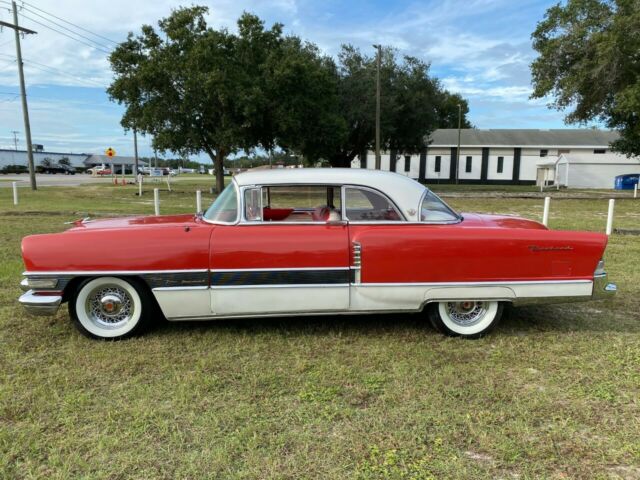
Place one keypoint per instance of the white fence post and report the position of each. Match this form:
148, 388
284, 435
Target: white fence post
545, 213
612, 203
156, 201
139, 185
15, 192
198, 201
635, 191
169, 182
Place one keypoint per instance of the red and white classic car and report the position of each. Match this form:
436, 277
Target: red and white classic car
309, 242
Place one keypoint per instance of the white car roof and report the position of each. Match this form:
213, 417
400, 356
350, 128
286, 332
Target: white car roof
405, 192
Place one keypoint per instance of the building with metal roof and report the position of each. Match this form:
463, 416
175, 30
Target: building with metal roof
80, 161
503, 156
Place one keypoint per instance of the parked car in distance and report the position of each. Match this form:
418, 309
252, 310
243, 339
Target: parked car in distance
99, 171
310, 242
56, 168
7, 169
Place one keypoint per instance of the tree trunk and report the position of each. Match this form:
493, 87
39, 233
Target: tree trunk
218, 168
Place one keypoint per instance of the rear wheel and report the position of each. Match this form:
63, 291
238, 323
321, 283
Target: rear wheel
467, 318
111, 308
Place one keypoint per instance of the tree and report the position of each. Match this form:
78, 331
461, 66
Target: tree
588, 61
413, 103
195, 89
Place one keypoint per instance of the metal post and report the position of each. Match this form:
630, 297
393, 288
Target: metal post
156, 201
635, 191
139, 185
458, 150
23, 91
612, 203
378, 64
545, 213
198, 201
15, 192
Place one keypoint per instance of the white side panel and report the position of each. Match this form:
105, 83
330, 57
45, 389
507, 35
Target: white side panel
507, 167
184, 302
372, 297
280, 299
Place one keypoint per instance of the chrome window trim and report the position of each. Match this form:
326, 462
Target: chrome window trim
282, 285
444, 222
238, 206
403, 218
244, 221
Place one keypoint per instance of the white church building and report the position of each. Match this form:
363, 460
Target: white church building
577, 158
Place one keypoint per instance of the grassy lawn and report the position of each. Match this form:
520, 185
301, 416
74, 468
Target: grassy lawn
554, 392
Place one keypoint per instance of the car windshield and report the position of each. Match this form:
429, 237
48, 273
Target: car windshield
225, 207
435, 210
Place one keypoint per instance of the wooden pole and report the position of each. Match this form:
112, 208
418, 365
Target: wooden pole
612, 203
545, 213
156, 201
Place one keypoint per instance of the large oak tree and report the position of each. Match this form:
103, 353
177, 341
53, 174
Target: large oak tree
589, 61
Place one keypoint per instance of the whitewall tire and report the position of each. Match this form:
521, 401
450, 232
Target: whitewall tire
466, 318
110, 308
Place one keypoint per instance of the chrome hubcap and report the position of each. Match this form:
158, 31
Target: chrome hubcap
109, 306
466, 313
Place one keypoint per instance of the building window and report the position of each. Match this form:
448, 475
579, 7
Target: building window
500, 164
544, 152
600, 150
407, 163
436, 167
467, 167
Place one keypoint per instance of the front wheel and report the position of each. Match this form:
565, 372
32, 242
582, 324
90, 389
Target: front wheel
467, 318
111, 308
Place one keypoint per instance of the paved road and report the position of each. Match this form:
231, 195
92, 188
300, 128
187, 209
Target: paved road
52, 180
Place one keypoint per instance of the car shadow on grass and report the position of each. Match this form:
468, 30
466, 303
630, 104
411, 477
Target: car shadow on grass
584, 317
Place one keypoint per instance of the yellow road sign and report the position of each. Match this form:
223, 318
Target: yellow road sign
110, 152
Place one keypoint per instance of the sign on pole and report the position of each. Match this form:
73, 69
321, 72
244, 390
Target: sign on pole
110, 152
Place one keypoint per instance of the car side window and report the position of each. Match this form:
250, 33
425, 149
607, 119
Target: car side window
363, 205
252, 205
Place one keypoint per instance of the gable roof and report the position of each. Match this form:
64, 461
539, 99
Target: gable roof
471, 137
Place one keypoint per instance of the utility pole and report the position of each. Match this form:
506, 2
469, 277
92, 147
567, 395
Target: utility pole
25, 111
135, 150
378, 61
458, 150
15, 138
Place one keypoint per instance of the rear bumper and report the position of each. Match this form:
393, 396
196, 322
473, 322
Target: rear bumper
40, 304
602, 288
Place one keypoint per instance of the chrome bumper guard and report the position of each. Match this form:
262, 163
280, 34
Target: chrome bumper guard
40, 304
602, 288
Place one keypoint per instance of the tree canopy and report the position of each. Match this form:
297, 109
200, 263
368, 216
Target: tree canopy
589, 62
197, 89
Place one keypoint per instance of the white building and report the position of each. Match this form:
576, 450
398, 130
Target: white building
508, 156
77, 160
578, 170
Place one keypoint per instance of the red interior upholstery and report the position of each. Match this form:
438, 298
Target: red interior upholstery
276, 214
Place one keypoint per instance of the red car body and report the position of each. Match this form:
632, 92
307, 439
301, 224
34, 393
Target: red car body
200, 269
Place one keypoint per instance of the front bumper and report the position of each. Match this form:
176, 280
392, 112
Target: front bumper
40, 304
602, 288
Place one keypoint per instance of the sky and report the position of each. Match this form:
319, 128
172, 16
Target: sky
478, 48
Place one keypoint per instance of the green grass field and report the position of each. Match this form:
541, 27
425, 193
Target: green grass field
554, 392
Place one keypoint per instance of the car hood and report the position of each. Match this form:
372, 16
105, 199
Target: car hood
124, 222
499, 221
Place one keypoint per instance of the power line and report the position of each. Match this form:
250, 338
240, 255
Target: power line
34, 64
66, 35
65, 28
70, 23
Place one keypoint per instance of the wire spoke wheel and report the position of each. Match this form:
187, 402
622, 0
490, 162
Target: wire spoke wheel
465, 318
466, 313
111, 307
